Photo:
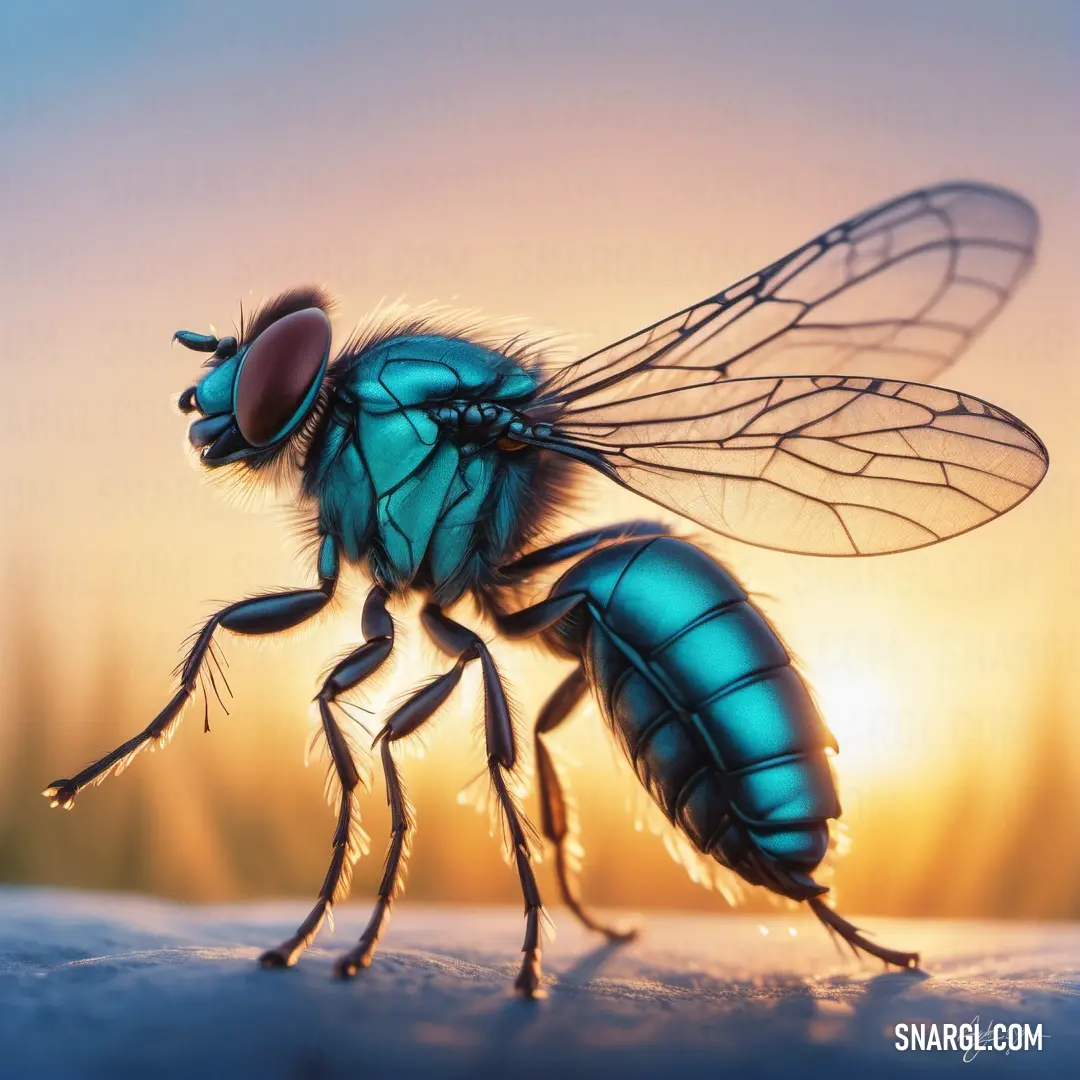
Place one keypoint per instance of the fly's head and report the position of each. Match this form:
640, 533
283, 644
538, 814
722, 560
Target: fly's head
262, 387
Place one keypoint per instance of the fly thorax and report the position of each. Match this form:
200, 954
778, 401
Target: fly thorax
429, 414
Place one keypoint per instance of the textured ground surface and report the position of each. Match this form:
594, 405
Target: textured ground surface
104, 986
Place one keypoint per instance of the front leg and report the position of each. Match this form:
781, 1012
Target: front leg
458, 640
269, 613
348, 673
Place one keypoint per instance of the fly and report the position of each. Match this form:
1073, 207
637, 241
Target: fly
794, 411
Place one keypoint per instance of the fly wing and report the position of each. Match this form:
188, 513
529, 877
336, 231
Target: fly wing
898, 291
754, 413
819, 465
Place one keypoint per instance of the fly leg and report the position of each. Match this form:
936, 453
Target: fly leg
556, 821
555, 817
379, 631
404, 721
834, 923
269, 613
578, 544
457, 640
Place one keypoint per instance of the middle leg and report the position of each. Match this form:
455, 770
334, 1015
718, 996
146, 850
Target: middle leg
359, 664
403, 722
458, 640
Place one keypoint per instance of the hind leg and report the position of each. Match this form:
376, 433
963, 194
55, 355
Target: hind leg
578, 544
851, 935
555, 817
556, 820
457, 640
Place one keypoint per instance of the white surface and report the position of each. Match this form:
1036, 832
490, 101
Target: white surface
105, 986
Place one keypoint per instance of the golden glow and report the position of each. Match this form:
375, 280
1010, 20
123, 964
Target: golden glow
588, 184
862, 707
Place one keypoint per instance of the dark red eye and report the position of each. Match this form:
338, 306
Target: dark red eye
277, 374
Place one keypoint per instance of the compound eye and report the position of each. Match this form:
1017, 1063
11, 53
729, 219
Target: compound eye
278, 375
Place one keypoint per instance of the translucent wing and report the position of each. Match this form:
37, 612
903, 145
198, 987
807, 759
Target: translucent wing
819, 458
898, 291
820, 465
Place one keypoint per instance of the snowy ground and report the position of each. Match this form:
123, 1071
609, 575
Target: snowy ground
104, 986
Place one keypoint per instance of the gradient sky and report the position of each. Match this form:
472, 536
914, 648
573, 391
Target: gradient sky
587, 168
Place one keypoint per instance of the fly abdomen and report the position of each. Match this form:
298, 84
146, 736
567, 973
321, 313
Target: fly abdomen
700, 693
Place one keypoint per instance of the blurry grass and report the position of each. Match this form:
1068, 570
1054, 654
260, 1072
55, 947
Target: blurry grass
234, 814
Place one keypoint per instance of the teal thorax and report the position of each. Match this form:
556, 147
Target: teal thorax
395, 484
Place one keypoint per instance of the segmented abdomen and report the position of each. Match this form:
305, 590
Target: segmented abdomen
701, 694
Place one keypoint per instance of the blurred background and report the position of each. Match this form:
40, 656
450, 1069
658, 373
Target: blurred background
587, 169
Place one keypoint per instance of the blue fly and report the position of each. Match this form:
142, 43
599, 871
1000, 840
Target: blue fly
793, 411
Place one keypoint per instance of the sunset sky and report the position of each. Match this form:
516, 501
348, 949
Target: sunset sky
583, 168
